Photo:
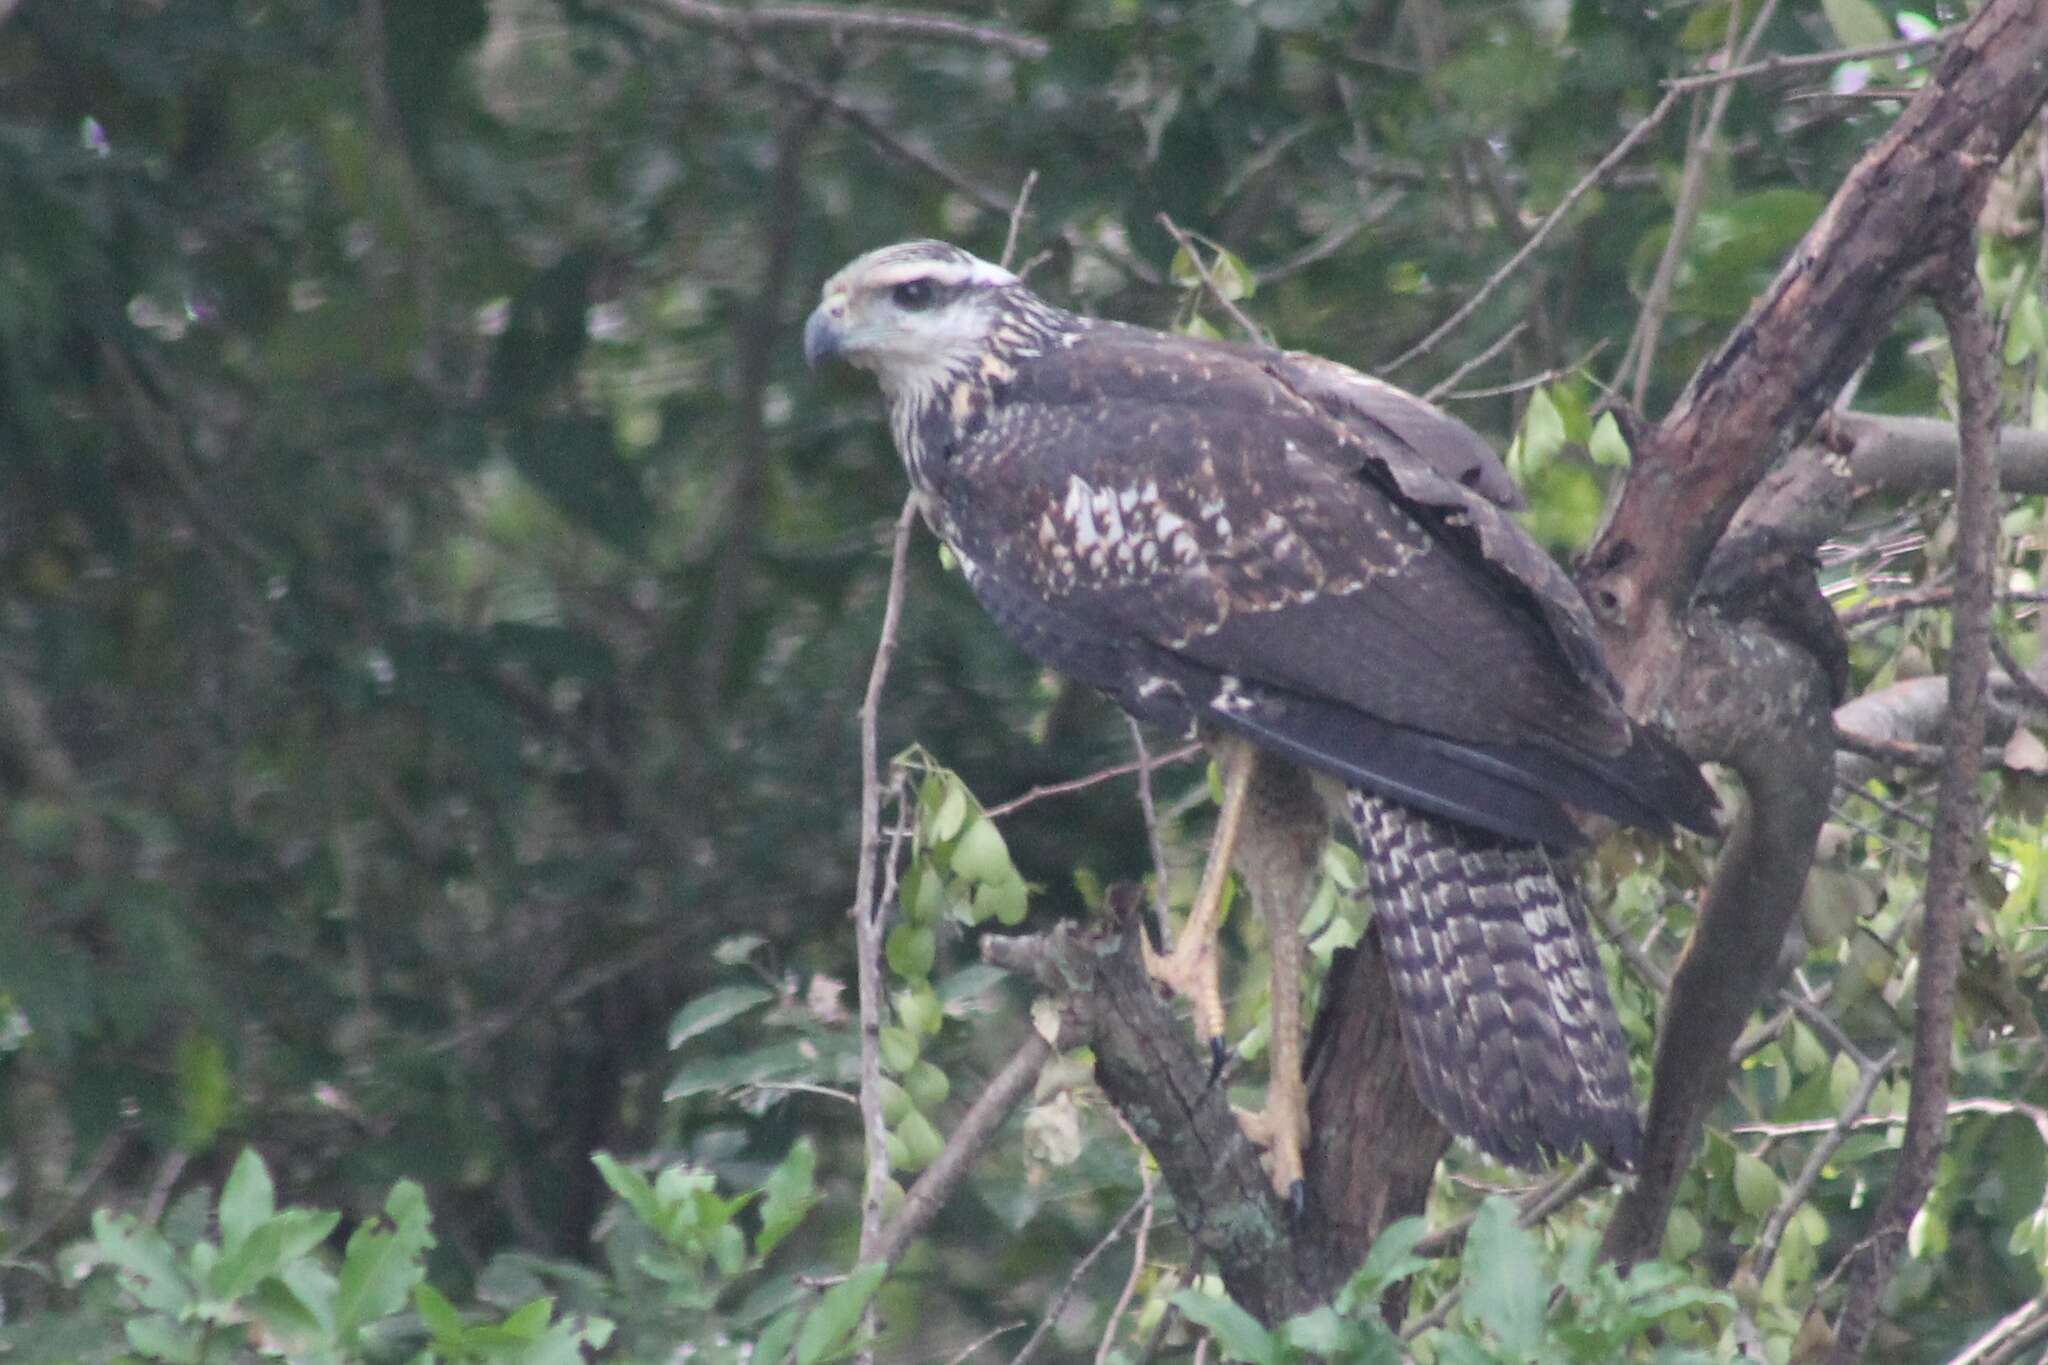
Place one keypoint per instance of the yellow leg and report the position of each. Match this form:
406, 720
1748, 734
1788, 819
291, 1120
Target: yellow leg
1279, 849
1286, 1095
1191, 969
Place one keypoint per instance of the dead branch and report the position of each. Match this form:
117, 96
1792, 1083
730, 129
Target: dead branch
867, 19
1959, 818
1742, 692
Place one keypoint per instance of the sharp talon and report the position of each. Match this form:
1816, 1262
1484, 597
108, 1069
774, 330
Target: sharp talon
1297, 1200
1219, 1057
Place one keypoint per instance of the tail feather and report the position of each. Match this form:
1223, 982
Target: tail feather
1510, 1033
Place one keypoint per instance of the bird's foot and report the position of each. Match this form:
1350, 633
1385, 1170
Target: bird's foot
1282, 1129
1191, 970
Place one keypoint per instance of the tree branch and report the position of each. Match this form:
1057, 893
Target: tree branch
1895, 224
969, 1139
1959, 821
867, 912
867, 19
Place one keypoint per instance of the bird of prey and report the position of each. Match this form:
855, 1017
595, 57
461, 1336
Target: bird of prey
1312, 569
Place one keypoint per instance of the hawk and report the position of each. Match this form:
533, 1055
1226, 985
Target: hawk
1310, 566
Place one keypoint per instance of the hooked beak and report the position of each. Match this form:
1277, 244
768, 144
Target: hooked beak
822, 336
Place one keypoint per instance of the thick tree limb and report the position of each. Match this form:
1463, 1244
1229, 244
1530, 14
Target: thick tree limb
1762, 706
1149, 1067
1959, 816
1897, 222
1914, 454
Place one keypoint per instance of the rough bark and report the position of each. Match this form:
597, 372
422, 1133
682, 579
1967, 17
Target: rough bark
1148, 1065
1899, 219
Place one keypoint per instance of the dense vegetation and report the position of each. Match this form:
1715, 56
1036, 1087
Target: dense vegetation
435, 603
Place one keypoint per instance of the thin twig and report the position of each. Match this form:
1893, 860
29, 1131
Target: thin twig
970, 1138
1904, 752
1691, 194
110, 1149
944, 28
1017, 218
1780, 1218
2013, 1326
1450, 381
984, 1339
1533, 381
1215, 290
2031, 693
1807, 60
1535, 1206
884, 140
1537, 238
1040, 793
866, 905
1081, 1267
1960, 821
1139, 1243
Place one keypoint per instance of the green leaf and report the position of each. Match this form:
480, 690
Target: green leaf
772, 1346
832, 1322
1543, 433
899, 1048
159, 1338
952, 811
246, 1201
1236, 1331
1391, 1260
1606, 445
926, 1085
264, 1251
206, 1091
529, 1321
442, 1322
1233, 277
382, 1265
1682, 1236
710, 1010
1857, 23
981, 854
921, 1142
1505, 1287
153, 1275
789, 1193
630, 1186
911, 949
1006, 902
1756, 1185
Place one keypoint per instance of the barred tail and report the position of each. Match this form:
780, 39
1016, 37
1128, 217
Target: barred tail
1511, 1036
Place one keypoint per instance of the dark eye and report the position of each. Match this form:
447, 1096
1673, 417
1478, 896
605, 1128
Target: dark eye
914, 295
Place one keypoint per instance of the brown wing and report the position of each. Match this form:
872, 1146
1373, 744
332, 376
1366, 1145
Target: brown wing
1170, 517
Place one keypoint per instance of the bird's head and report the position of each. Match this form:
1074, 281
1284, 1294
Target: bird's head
915, 314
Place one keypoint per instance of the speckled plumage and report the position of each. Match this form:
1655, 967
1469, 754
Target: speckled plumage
1276, 546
